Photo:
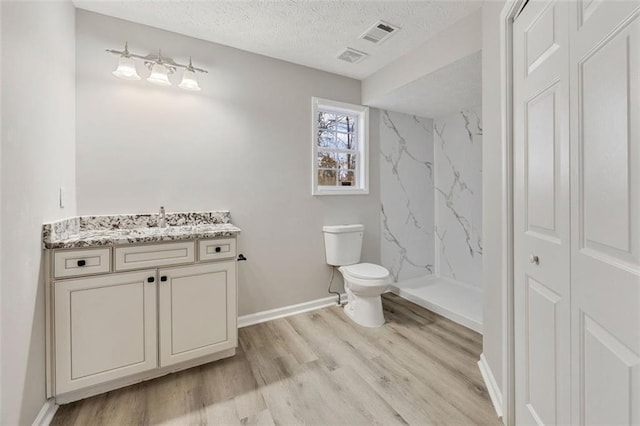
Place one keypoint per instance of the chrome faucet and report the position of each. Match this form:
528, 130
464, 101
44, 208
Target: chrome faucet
162, 220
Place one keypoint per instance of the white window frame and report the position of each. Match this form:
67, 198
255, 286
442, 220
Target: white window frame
362, 158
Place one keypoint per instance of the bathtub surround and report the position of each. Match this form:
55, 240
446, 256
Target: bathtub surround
406, 195
458, 202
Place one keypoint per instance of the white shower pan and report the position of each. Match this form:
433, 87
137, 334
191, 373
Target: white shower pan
459, 302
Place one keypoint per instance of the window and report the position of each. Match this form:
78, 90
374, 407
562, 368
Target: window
340, 148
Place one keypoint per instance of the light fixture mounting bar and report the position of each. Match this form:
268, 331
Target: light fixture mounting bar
156, 59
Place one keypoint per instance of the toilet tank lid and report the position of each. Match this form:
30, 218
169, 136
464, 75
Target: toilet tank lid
339, 229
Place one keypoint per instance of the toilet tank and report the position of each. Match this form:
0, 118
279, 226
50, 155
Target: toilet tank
343, 244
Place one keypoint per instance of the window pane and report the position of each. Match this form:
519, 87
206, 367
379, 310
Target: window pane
326, 120
339, 122
327, 160
327, 139
347, 161
353, 125
345, 123
351, 161
346, 140
327, 177
347, 178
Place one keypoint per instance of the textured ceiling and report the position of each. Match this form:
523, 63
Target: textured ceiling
306, 32
449, 89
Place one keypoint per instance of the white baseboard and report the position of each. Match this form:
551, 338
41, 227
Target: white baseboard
286, 311
46, 413
491, 384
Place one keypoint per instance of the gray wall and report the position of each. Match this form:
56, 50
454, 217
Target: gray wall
243, 144
493, 167
38, 144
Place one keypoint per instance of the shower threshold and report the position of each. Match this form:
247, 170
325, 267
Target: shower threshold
459, 302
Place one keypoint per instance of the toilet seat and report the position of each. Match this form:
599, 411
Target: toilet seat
366, 271
366, 279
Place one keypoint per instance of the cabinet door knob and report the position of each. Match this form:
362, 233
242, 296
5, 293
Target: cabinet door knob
163, 278
82, 262
218, 249
151, 279
534, 259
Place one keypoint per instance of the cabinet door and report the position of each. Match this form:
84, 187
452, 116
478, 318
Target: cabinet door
197, 311
105, 328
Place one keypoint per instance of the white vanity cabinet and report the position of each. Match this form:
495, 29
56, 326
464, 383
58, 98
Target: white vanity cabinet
105, 328
110, 329
197, 311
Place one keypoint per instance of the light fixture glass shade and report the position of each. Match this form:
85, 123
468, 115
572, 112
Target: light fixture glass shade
159, 75
189, 81
126, 69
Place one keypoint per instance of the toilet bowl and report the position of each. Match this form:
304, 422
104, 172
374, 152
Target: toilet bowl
364, 284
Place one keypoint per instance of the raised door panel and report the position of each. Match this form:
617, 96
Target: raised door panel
541, 38
197, 311
542, 163
605, 260
611, 371
609, 184
105, 328
542, 348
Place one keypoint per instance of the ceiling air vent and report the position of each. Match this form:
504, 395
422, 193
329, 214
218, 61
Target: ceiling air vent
352, 55
379, 32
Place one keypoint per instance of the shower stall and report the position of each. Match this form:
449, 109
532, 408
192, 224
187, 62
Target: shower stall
431, 210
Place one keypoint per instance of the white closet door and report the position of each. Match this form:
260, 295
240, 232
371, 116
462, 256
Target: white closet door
605, 261
541, 214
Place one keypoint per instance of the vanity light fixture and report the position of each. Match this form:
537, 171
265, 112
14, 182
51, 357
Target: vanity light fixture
189, 80
126, 66
159, 73
160, 67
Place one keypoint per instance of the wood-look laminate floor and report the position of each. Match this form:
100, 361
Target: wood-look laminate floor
317, 368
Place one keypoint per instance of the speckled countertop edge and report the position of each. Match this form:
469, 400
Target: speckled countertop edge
97, 231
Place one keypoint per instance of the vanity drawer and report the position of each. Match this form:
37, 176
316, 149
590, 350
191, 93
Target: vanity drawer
153, 255
70, 263
217, 249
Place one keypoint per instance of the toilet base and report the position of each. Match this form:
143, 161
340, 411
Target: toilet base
365, 311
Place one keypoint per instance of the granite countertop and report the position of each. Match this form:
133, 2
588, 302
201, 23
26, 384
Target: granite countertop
94, 231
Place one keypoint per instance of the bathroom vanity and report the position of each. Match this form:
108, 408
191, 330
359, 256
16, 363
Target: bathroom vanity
128, 301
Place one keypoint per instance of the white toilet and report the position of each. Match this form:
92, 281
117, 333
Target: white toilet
363, 282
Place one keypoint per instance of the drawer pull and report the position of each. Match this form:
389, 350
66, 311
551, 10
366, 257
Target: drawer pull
151, 279
218, 249
163, 278
241, 257
82, 262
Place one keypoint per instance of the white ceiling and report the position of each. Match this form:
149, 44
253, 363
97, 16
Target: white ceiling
306, 32
444, 91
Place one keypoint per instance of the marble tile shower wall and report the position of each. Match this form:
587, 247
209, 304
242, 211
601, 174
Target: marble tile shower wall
407, 195
458, 188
